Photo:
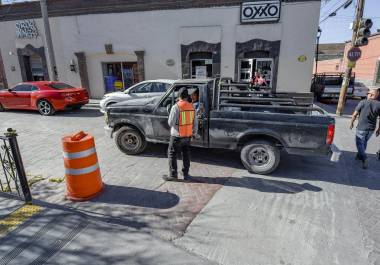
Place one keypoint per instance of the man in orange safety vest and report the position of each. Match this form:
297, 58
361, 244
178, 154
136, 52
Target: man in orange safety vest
183, 126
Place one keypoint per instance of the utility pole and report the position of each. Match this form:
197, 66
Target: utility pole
48, 41
348, 72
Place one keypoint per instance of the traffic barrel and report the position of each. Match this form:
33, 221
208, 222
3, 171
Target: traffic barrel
82, 172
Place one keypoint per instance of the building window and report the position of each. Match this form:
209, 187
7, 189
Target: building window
263, 66
201, 64
119, 76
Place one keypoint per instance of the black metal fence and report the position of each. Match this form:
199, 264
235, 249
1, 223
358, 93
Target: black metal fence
12, 173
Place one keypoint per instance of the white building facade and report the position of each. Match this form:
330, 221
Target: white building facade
108, 45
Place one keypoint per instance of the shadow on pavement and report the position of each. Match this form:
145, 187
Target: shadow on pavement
87, 113
137, 197
347, 171
90, 113
259, 184
199, 155
330, 107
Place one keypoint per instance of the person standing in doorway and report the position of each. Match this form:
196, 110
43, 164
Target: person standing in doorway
183, 126
368, 111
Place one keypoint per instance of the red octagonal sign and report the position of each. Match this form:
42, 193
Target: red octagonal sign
354, 54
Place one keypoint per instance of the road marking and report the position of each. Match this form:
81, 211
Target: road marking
16, 218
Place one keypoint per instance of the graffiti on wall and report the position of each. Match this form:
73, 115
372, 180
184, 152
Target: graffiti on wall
26, 29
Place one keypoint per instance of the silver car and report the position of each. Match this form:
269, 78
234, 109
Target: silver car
145, 89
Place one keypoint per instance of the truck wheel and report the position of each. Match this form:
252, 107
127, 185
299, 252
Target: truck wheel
130, 141
260, 157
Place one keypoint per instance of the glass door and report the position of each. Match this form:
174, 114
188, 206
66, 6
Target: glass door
201, 68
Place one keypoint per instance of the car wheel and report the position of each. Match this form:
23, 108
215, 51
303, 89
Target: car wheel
130, 141
260, 157
45, 108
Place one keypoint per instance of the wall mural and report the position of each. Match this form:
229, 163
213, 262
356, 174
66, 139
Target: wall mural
26, 29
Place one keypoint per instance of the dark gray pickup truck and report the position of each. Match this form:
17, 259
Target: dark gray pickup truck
231, 116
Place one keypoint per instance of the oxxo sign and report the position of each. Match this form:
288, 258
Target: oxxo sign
260, 11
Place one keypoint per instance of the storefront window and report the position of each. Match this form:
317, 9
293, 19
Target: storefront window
201, 64
119, 76
262, 66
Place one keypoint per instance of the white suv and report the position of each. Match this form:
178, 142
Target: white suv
145, 89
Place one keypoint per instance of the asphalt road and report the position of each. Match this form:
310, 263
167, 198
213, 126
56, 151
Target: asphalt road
310, 211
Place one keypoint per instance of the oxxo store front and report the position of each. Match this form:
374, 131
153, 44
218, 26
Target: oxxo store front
135, 41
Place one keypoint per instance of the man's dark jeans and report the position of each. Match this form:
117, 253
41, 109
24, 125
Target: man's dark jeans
179, 145
362, 138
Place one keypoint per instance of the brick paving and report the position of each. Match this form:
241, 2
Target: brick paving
135, 193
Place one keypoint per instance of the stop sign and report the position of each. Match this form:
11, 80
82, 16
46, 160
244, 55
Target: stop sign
354, 54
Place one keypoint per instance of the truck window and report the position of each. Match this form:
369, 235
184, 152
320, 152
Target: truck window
173, 96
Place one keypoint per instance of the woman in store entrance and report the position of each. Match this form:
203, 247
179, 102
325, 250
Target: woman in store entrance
258, 81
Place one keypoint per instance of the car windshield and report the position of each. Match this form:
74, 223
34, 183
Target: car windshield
59, 86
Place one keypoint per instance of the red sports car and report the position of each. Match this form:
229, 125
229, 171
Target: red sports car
45, 96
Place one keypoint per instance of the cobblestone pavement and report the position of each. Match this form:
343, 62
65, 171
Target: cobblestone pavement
135, 194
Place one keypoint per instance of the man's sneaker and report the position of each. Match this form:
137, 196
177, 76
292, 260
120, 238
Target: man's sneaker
169, 178
186, 177
378, 155
365, 164
357, 157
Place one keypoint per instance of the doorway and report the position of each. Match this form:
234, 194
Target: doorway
248, 67
33, 68
201, 65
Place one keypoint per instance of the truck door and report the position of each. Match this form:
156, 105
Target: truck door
161, 114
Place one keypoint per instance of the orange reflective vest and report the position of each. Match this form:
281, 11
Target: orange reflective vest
186, 118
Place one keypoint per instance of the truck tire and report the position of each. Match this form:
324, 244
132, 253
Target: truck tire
130, 141
260, 157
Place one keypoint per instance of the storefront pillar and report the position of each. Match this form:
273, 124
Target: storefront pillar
3, 78
82, 68
140, 65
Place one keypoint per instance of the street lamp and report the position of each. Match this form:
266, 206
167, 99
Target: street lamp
317, 50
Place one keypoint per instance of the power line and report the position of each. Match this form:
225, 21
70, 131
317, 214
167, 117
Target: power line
344, 5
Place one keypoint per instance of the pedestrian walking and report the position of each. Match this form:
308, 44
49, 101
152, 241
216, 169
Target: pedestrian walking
368, 111
183, 126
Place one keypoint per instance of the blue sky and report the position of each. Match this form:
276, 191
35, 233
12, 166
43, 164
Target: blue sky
336, 29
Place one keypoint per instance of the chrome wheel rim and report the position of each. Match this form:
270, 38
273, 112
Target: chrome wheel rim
259, 156
44, 107
130, 141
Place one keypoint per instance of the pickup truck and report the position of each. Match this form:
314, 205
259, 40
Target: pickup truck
259, 124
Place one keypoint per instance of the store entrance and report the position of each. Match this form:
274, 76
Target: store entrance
201, 64
119, 76
248, 68
33, 68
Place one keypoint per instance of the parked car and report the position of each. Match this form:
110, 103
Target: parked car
45, 96
145, 89
258, 125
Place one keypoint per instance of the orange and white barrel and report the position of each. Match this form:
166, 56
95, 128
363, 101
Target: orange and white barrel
82, 172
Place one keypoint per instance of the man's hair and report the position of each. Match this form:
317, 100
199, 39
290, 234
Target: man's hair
183, 93
196, 92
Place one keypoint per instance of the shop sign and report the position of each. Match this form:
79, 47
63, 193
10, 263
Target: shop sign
26, 29
302, 58
200, 72
260, 11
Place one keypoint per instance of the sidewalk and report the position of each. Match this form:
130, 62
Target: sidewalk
57, 236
